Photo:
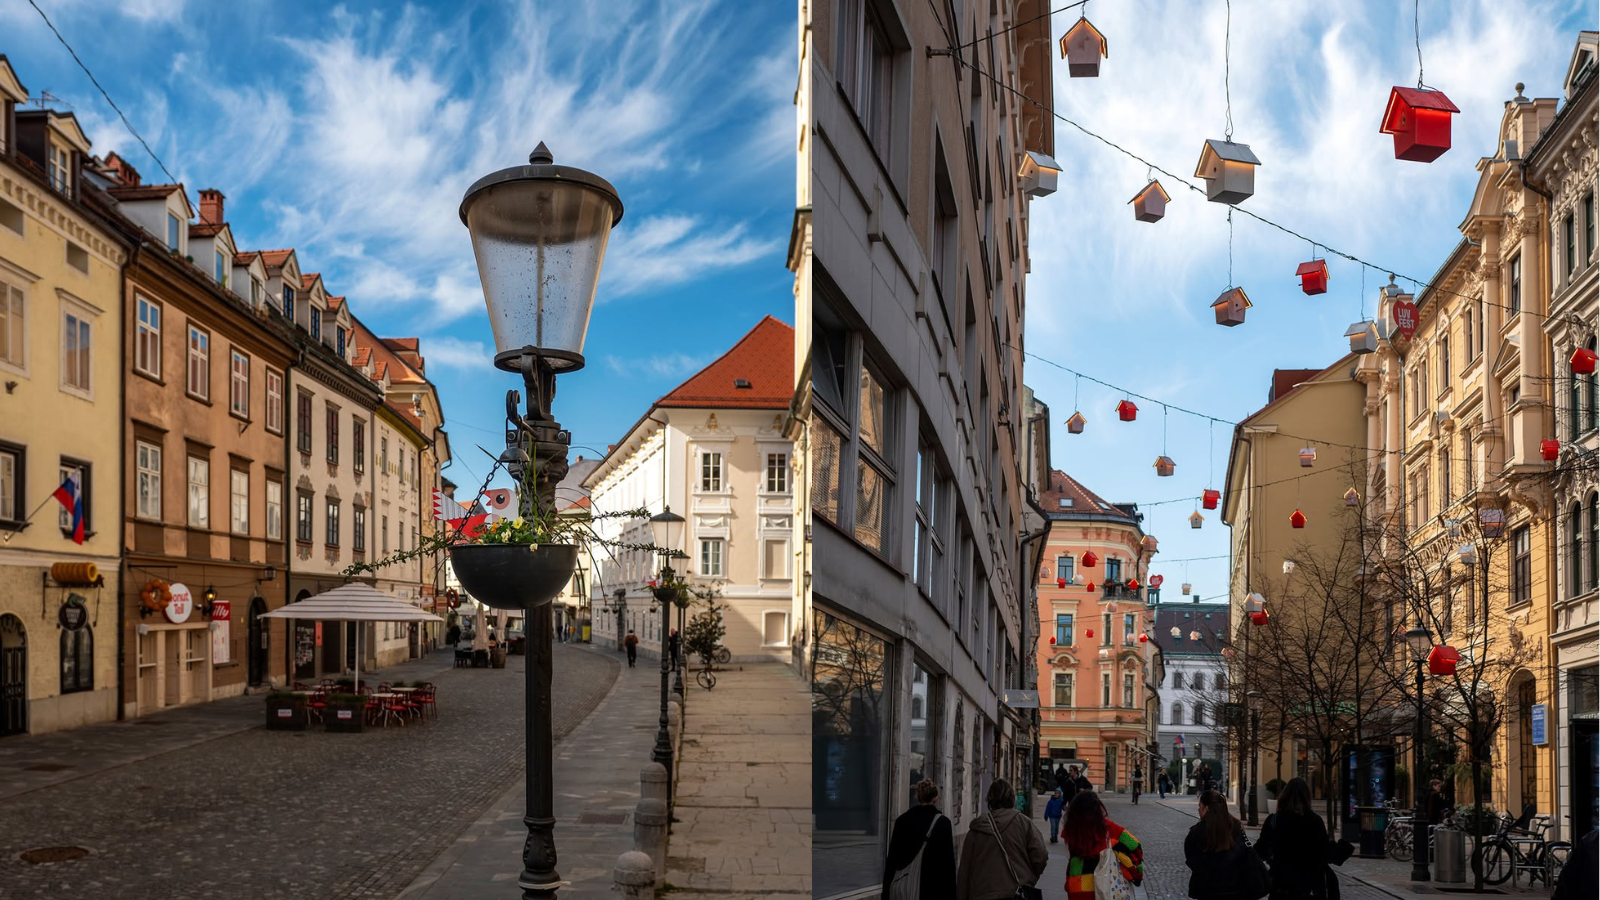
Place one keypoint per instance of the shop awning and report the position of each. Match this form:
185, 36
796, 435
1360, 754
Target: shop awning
353, 602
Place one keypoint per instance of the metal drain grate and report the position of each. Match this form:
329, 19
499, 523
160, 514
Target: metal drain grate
53, 854
602, 818
47, 767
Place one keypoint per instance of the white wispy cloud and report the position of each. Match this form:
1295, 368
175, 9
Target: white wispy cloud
662, 366
455, 353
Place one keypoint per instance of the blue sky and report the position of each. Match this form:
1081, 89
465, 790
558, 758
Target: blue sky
350, 133
1127, 301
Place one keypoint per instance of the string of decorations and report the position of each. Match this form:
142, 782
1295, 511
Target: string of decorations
1024, 23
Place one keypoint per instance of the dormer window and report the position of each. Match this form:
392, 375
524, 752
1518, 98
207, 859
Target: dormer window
1064, 503
339, 340
60, 169
316, 324
221, 269
288, 302
255, 294
174, 228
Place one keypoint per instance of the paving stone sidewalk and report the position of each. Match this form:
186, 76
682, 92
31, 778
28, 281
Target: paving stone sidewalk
597, 786
742, 824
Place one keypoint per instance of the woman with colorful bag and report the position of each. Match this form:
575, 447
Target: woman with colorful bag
1104, 859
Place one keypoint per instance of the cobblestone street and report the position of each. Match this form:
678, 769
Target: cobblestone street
286, 814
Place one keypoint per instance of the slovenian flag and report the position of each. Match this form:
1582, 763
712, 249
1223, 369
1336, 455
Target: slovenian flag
71, 497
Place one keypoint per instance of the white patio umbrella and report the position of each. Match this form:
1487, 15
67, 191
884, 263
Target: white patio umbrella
354, 602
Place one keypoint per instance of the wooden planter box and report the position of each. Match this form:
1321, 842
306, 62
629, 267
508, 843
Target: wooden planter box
286, 714
345, 714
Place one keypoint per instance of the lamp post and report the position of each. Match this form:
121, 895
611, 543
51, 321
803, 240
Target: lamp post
581, 609
665, 527
1253, 700
539, 236
1419, 642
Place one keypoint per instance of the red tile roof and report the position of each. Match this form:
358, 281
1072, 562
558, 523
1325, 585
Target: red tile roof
580, 503
1285, 380
276, 258
363, 354
380, 370
400, 343
763, 359
1084, 501
245, 258
334, 303
205, 229
383, 353
144, 191
307, 279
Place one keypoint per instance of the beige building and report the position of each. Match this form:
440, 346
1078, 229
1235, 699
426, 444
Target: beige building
61, 320
714, 450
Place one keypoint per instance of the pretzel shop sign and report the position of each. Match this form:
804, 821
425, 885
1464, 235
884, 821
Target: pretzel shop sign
73, 615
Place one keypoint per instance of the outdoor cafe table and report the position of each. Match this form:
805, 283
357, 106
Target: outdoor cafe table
387, 695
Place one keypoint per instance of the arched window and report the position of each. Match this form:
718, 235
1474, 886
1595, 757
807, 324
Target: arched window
1575, 582
1221, 681
1199, 714
1594, 540
1199, 681
1177, 714
77, 660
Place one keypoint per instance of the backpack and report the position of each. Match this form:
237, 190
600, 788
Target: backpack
907, 883
1109, 883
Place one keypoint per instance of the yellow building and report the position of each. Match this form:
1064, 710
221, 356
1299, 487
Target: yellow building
60, 413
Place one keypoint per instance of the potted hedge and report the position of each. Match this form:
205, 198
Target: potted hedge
286, 711
346, 713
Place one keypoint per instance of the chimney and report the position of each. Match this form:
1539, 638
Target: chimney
127, 174
211, 207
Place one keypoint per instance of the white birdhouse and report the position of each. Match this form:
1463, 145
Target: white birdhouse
1308, 455
1176, 631
1195, 521
1083, 46
1363, 336
1352, 497
1187, 588
1230, 306
1288, 567
1468, 555
1164, 466
1076, 423
1037, 177
1229, 170
1150, 204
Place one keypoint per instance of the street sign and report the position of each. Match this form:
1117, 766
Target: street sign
1016, 699
1537, 718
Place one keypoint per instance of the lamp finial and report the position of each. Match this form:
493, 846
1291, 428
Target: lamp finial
541, 156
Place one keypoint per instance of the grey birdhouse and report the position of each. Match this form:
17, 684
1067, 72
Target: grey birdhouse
1164, 466
1363, 336
1230, 306
1083, 46
1229, 170
1150, 204
1037, 177
1195, 521
1076, 423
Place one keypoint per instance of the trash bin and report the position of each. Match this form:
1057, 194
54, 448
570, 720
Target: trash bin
1373, 820
1449, 856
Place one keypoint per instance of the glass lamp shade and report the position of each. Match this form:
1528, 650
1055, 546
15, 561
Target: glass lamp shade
539, 233
665, 527
1419, 642
1254, 700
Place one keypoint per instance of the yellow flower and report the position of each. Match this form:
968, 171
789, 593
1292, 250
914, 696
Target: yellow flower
517, 523
533, 548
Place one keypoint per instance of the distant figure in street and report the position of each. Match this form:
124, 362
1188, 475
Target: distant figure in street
1136, 784
1294, 842
453, 636
1214, 851
1164, 783
1063, 780
673, 643
1580, 875
1002, 850
1052, 813
921, 832
1436, 805
631, 643
1080, 780
1088, 833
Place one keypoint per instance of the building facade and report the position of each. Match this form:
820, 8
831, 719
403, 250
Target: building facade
1094, 654
714, 450
919, 236
61, 319
1191, 635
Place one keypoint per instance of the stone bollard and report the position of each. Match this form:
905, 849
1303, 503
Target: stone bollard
634, 876
653, 782
675, 697
674, 726
650, 834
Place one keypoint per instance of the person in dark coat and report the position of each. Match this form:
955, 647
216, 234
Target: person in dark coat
910, 830
673, 643
1580, 877
1164, 783
1002, 850
1080, 780
1436, 805
1214, 851
631, 644
1063, 778
1294, 842
1136, 784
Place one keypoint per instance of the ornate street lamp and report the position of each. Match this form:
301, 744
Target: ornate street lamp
1420, 643
1253, 699
539, 234
665, 527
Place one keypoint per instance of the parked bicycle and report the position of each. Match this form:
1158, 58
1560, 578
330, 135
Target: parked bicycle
1517, 849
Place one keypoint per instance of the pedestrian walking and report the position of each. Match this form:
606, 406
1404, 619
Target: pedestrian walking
1214, 850
1052, 813
1089, 833
1294, 841
1063, 777
1001, 852
1136, 784
921, 864
1164, 783
631, 643
1435, 805
1080, 780
673, 643
1582, 872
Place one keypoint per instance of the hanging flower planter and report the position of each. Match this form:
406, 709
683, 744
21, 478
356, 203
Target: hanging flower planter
514, 576
1297, 519
1127, 411
1419, 119
1076, 423
1313, 276
1209, 498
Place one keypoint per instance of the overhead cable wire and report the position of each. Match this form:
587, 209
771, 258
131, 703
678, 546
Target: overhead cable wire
1023, 24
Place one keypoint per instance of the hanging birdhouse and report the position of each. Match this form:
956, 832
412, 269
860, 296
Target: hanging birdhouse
1149, 543
1352, 497
1229, 170
1254, 602
1442, 660
1089, 586
1583, 360
1164, 466
1133, 585
1297, 520
1061, 582
1308, 455
1492, 522
1230, 306
1177, 632
1468, 554
1420, 122
1194, 635
1144, 638
1187, 588
1076, 423
1288, 567
1228, 652
1127, 411
1549, 450
1088, 632
1037, 177
1052, 639
1313, 276
1150, 204
1209, 498
1089, 560
1196, 520
1259, 618
1363, 336
1083, 46
1452, 527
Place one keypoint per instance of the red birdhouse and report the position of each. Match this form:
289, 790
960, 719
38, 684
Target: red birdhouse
1209, 498
1061, 582
1052, 639
1088, 632
1583, 361
1133, 584
1089, 560
1420, 122
1549, 450
1297, 520
1089, 586
1442, 661
1126, 411
1144, 638
1313, 276
1258, 618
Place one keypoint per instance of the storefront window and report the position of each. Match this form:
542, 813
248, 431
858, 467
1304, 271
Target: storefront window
924, 731
849, 710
